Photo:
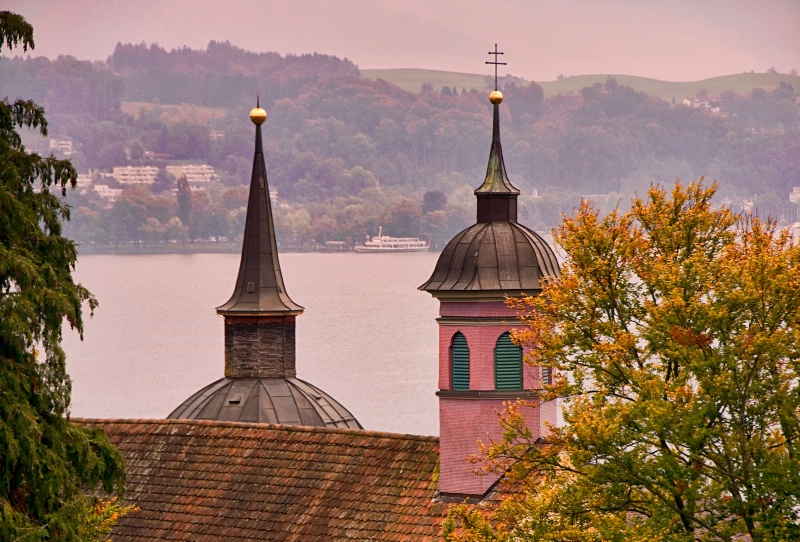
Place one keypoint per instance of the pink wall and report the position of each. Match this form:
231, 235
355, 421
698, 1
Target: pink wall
481, 342
464, 421
477, 309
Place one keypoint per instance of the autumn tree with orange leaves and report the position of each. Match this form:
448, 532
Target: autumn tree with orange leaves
675, 332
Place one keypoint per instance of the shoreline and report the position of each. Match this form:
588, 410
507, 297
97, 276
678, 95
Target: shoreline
183, 248
195, 248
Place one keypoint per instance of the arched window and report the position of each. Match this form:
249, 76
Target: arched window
459, 362
507, 364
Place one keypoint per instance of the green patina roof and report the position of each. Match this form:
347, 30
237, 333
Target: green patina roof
496, 181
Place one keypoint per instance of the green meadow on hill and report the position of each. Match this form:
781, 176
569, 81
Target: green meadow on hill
743, 83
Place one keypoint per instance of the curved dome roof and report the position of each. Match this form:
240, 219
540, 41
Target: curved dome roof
493, 256
289, 401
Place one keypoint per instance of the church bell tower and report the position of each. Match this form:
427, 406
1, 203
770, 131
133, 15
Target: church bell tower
480, 368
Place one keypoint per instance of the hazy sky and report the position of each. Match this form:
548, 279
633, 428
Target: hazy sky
678, 40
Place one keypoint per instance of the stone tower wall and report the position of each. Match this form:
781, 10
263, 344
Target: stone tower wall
260, 347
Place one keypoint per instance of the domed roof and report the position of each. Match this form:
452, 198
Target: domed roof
288, 401
493, 256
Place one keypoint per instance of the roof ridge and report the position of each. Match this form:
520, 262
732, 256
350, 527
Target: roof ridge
271, 426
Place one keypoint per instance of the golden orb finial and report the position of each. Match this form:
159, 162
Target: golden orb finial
258, 116
496, 97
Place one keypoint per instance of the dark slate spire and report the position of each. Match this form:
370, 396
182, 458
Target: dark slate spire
261, 384
497, 256
497, 197
259, 286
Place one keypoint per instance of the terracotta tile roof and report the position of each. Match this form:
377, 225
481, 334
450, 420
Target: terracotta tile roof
208, 480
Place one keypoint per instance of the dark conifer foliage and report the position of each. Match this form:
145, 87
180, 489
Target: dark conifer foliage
46, 463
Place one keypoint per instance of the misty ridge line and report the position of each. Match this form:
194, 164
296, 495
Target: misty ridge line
351, 150
412, 79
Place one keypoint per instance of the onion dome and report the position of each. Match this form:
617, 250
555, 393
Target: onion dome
496, 254
288, 401
492, 256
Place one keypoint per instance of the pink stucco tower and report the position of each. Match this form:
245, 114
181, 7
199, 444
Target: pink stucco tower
480, 368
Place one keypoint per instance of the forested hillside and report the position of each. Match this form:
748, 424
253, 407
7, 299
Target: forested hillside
347, 154
740, 83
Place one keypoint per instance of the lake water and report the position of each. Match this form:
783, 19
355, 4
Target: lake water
368, 337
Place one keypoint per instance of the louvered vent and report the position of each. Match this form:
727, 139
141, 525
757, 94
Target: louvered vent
507, 364
459, 357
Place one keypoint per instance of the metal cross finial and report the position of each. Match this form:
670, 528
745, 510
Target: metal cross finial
496, 63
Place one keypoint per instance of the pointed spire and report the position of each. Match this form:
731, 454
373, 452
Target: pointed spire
496, 180
497, 197
259, 286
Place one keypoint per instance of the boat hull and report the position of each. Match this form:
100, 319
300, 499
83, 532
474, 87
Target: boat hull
384, 243
361, 249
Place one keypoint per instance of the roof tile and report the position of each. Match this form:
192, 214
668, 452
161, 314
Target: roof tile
208, 480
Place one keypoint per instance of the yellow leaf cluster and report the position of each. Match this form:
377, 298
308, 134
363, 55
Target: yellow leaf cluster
674, 329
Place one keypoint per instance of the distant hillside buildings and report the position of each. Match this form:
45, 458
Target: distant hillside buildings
135, 175
701, 104
110, 185
195, 173
794, 197
61, 145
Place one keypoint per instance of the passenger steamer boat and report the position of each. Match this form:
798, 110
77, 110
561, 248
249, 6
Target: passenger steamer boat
384, 243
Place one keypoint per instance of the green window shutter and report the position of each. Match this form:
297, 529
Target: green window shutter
546, 376
459, 362
507, 364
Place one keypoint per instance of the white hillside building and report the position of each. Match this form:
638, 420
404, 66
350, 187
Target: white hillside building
195, 173
135, 175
